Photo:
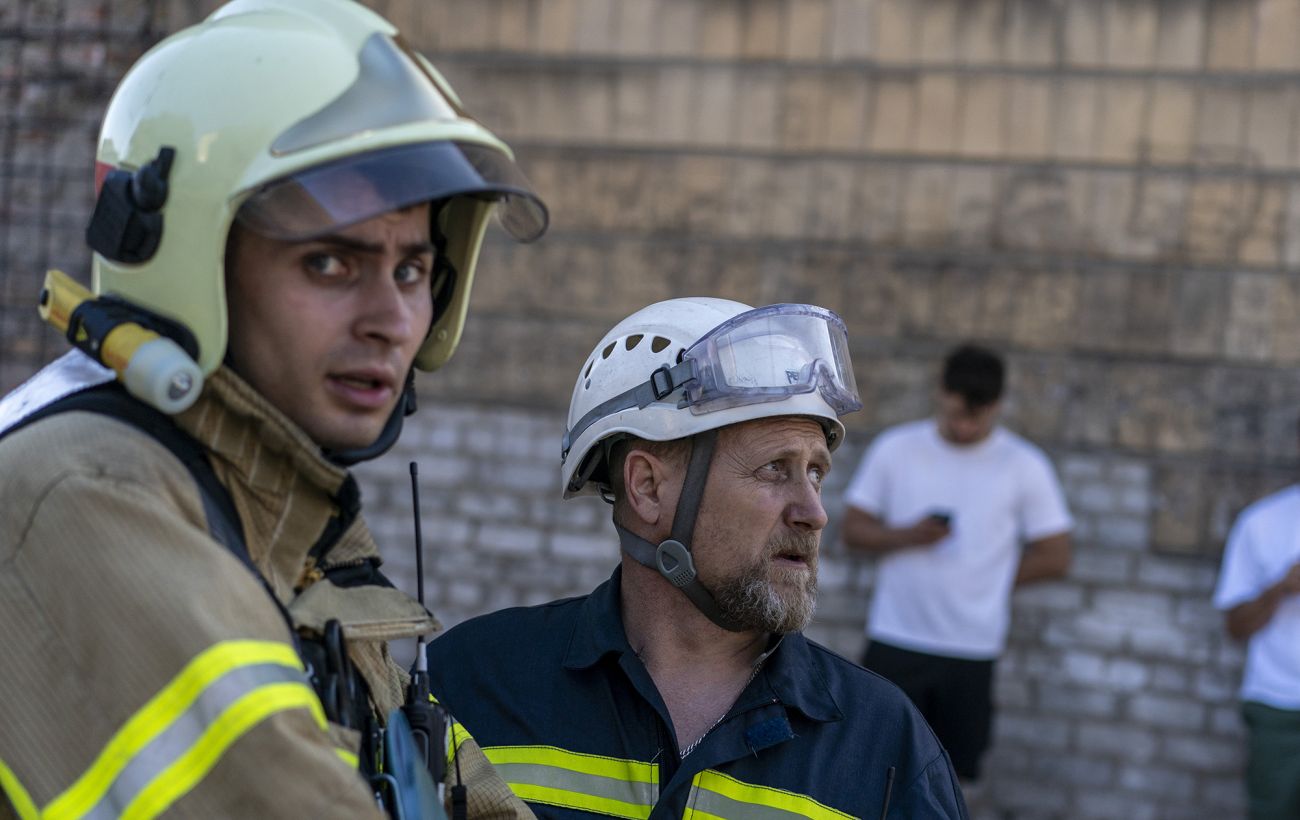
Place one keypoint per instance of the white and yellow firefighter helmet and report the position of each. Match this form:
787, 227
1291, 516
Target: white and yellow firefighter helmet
296, 117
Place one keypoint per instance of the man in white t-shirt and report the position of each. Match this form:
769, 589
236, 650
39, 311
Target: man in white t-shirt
961, 512
1259, 589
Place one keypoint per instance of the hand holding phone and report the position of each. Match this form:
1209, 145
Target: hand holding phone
932, 528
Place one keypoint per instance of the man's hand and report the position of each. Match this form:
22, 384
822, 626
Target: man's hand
1290, 583
865, 532
927, 531
1246, 619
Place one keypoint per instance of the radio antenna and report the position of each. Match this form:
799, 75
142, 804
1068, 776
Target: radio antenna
428, 723
421, 660
419, 539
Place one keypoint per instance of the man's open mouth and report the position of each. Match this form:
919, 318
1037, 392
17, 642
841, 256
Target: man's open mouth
361, 382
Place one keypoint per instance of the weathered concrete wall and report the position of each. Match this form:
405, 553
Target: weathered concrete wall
1105, 189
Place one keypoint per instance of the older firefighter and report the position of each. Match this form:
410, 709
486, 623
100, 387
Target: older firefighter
291, 203
683, 686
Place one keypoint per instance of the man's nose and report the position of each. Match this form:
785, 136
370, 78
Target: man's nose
384, 312
806, 511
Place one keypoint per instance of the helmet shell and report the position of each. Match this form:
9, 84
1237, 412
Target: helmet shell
222, 93
629, 353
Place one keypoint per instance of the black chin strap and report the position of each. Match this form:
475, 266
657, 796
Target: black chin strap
672, 558
387, 436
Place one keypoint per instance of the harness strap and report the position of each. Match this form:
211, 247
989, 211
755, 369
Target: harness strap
111, 399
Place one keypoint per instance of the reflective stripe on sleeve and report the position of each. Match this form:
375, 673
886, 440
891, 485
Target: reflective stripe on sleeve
715, 796
350, 758
18, 796
172, 743
555, 777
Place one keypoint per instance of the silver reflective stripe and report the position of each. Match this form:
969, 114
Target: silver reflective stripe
185, 731
572, 789
64, 376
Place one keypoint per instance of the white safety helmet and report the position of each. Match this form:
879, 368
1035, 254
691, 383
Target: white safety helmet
298, 117
683, 366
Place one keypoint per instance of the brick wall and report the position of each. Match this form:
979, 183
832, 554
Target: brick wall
1105, 189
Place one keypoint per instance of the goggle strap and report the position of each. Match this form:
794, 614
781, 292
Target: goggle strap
662, 383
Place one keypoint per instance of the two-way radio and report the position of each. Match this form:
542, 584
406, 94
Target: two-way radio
429, 722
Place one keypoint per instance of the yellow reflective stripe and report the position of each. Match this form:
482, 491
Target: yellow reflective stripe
18, 796
458, 735
568, 799
596, 783
161, 710
194, 765
716, 796
349, 758
629, 770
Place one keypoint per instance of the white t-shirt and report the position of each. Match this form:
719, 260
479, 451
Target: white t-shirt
1263, 544
953, 598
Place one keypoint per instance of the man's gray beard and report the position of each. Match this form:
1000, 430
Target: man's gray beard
750, 599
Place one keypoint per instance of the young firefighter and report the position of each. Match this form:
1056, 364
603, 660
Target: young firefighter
194, 620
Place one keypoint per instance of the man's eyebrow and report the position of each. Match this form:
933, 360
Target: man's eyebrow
784, 451
361, 245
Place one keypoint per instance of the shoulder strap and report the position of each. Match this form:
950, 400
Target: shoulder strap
112, 400
224, 525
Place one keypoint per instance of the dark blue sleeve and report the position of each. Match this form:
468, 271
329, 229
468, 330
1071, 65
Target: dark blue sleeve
933, 793
452, 671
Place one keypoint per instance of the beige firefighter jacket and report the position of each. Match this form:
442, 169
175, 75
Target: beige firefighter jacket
144, 668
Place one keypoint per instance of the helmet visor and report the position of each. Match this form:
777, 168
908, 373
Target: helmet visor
770, 354
323, 199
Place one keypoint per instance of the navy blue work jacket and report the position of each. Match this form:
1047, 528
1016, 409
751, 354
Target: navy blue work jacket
569, 715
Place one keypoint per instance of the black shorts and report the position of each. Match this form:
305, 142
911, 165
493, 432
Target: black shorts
953, 694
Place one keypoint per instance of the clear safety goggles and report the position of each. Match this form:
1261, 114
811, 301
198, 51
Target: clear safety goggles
770, 354
323, 199
767, 354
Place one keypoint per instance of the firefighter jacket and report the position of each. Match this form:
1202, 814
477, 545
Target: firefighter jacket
145, 668
570, 716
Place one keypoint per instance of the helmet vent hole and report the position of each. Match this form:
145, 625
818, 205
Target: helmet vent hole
609, 348
680, 354
590, 365
587, 386
658, 343
632, 341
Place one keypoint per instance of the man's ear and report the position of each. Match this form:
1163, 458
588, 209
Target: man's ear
651, 487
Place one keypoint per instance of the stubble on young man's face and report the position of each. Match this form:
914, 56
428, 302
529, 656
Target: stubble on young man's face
326, 330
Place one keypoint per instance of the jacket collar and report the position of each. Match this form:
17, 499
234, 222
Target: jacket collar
286, 492
788, 669
241, 427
